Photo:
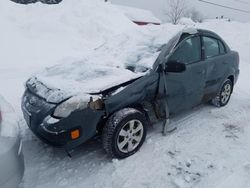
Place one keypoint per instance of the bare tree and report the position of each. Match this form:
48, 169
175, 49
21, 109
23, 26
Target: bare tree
177, 9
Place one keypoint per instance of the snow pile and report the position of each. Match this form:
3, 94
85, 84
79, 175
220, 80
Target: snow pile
91, 42
187, 22
87, 33
138, 15
5, 107
45, 34
9, 126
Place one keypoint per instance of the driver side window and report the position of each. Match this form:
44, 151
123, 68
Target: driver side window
189, 51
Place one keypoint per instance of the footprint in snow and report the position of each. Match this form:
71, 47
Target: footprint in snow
232, 131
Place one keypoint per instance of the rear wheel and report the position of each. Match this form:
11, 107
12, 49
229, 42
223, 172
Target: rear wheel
224, 94
124, 133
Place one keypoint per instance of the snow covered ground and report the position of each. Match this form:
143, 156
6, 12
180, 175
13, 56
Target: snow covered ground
211, 146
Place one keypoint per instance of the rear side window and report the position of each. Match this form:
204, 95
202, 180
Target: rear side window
189, 51
222, 47
211, 46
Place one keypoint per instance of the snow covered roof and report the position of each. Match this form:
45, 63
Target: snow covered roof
138, 15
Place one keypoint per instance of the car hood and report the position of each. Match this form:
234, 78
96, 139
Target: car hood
61, 82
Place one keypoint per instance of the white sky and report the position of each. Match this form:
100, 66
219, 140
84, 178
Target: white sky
211, 11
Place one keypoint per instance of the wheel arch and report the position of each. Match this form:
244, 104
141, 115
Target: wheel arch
231, 78
140, 107
137, 106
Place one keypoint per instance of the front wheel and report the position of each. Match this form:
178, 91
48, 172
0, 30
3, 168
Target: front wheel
224, 94
124, 133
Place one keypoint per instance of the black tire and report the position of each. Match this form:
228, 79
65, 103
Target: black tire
24, 1
50, 1
35, 1
224, 94
117, 125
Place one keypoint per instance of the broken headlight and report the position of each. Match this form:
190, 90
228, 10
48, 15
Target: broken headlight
67, 107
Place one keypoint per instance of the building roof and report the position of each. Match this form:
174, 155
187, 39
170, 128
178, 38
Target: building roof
138, 15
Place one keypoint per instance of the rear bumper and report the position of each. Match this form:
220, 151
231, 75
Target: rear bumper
57, 132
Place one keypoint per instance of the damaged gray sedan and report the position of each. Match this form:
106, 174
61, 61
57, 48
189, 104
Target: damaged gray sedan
194, 67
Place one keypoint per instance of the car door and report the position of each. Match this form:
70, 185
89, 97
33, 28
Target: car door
214, 57
186, 89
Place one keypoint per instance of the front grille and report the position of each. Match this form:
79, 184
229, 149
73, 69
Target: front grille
35, 109
34, 104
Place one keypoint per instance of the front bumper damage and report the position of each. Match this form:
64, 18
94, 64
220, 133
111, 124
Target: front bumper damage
58, 132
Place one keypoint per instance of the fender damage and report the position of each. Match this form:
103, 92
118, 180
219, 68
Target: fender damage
141, 90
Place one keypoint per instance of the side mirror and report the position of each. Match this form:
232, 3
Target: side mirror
173, 66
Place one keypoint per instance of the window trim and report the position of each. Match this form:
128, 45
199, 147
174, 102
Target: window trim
217, 39
225, 50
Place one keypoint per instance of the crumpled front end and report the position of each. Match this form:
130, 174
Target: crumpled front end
50, 94
67, 132
66, 119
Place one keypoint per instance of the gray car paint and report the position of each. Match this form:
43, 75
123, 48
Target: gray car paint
184, 90
158, 92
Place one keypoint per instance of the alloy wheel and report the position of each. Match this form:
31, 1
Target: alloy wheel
225, 93
130, 136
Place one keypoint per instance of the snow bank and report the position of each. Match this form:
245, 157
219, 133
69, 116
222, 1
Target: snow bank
187, 22
9, 126
44, 34
5, 107
86, 33
91, 42
139, 15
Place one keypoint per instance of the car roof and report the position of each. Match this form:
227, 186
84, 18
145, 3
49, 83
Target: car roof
209, 33
205, 32
193, 31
